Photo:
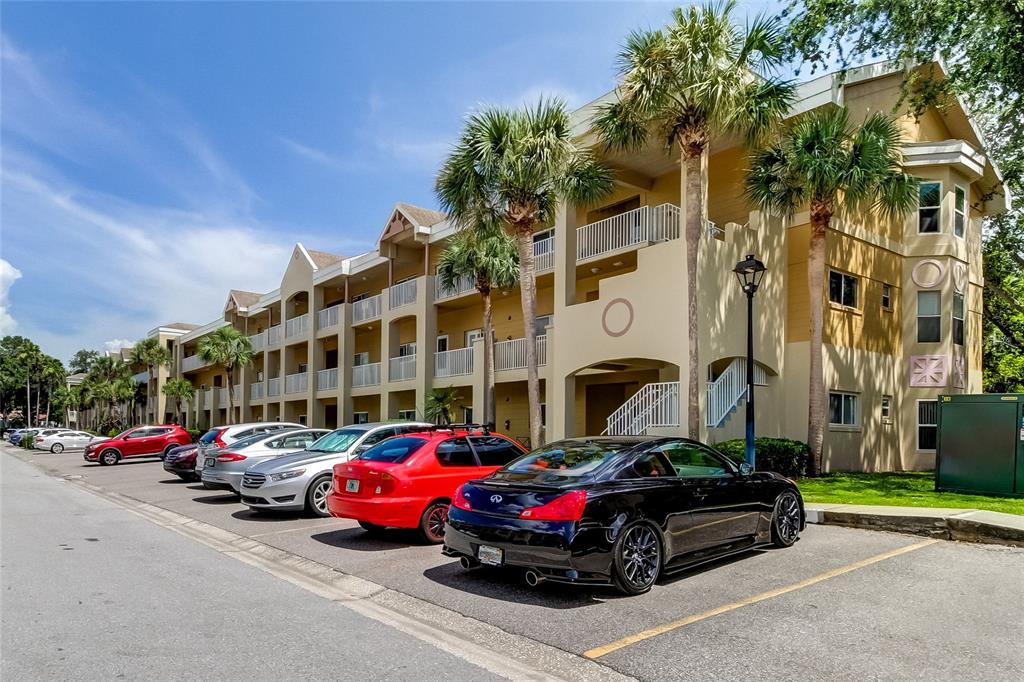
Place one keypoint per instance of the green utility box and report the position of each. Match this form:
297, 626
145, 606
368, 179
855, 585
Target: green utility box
981, 444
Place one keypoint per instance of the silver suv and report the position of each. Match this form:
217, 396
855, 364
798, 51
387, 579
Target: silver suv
302, 481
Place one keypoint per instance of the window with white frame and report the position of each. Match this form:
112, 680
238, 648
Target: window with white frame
842, 289
887, 297
959, 212
360, 417
407, 415
927, 424
887, 409
540, 324
958, 319
406, 349
472, 335
842, 408
929, 316
929, 211
360, 359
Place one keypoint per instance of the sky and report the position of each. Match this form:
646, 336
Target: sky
155, 155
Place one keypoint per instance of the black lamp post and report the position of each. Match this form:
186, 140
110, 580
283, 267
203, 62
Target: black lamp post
750, 272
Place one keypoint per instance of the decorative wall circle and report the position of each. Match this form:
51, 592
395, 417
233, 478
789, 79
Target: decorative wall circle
617, 317
959, 277
928, 273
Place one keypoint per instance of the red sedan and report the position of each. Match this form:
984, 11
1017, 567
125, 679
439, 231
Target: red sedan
408, 481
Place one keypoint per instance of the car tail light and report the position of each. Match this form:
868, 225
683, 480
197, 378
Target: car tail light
220, 441
230, 457
567, 507
459, 499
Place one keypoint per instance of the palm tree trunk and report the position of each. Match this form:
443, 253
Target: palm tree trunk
28, 401
693, 189
490, 409
816, 389
231, 397
528, 294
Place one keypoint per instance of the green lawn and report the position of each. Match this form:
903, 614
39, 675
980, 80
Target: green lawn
909, 489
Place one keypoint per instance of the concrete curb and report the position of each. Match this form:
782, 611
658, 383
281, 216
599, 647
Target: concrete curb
964, 525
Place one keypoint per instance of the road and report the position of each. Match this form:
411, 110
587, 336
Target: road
841, 604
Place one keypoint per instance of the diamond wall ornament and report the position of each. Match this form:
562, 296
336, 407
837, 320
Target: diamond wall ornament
928, 371
959, 370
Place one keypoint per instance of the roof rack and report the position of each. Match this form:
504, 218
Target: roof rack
484, 428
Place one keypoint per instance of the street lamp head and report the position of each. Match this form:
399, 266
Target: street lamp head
750, 272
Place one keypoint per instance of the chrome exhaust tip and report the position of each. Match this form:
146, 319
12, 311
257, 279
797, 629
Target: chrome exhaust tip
533, 578
468, 563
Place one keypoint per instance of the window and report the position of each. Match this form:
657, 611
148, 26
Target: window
442, 343
472, 335
467, 415
842, 289
693, 461
649, 465
927, 424
842, 409
378, 435
887, 296
360, 417
928, 210
494, 451
394, 451
360, 297
887, 409
959, 211
543, 414
455, 452
360, 359
929, 317
407, 349
958, 319
407, 415
540, 324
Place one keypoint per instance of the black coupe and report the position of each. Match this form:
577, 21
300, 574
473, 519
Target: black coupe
619, 510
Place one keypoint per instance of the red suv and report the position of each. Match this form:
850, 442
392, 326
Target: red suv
408, 481
142, 441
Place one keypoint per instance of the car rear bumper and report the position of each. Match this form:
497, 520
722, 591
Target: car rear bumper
398, 512
229, 480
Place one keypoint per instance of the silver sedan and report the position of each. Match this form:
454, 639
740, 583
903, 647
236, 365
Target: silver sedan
223, 469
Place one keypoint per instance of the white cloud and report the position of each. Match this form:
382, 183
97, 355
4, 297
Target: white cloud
321, 157
8, 275
115, 345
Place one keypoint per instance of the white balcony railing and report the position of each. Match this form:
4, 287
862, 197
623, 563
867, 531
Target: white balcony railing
192, 362
635, 228
463, 286
256, 391
273, 387
296, 383
366, 375
366, 309
296, 326
258, 341
328, 317
453, 363
327, 379
402, 294
402, 368
653, 406
274, 337
512, 354
730, 388
208, 399
544, 254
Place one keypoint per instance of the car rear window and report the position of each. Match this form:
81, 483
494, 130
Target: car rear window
562, 460
494, 451
455, 452
209, 436
394, 450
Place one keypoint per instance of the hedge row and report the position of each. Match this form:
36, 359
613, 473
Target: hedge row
781, 455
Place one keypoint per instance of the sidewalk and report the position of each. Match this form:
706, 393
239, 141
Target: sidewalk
965, 525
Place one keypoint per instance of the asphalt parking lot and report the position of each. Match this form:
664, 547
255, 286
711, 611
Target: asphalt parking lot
840, 604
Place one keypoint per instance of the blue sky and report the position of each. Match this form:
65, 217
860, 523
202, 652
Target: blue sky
142, 143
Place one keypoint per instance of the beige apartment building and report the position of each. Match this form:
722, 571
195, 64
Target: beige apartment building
365, 338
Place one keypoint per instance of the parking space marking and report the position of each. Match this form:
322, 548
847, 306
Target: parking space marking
292, 530
600, 651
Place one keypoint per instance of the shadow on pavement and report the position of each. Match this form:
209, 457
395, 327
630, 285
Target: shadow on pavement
270, 515
363, 541
506, 584
219, 498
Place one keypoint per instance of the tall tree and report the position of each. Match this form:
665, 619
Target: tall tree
153, 355
30, 358
826, 164
82, 361
514, 166
699, 78
232, 350
179, 390
487, 255
53, 374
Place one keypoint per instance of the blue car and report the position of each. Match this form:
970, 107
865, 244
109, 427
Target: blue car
16, 436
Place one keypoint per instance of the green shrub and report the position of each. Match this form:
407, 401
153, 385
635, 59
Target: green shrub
113, 432
781, 455
196, 434
27, 442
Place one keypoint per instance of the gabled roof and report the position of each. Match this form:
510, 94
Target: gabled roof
181, 325
322, 259
242, 300
420, 217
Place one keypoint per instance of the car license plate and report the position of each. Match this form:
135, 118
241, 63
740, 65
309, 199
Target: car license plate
352, 485
491, 556
210, 461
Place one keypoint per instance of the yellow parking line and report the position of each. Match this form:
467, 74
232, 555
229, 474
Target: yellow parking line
600, 651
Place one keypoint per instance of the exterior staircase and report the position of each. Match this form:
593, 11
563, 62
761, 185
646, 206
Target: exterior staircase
653, 406
725, 393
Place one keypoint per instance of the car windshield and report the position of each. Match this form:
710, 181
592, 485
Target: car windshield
123, 434
337, 441
564, 460
393, 450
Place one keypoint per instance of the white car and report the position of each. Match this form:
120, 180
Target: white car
59, 441
223, 436
224, 468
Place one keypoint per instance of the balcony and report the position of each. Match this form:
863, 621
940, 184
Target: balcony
208, 399
544, 255
296, 383
453, 363
192, 363
402, 368
329, 317
402, 294
274, 337
273, 387
141, 378
463, 286
327, 379
256, 391
222, 398
512, 354
366, 375
258, 341
297, 326
367, 309
632, 229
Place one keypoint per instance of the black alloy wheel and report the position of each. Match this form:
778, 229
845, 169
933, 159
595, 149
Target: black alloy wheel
637, 559
786, 520
432, 523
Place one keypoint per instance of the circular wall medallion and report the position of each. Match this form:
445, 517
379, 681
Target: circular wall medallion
617, 317
959, 277
928, 273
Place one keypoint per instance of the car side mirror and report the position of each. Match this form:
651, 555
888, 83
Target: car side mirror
360, 449
746, 469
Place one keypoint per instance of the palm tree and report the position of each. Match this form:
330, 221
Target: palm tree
53, 376
151, 353
232, 350
513, 167
488, 255
178, 390
826, 164
29, 358
439, 404
699, 78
